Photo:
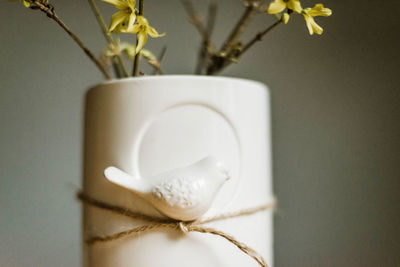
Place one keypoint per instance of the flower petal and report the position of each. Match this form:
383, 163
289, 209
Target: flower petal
312, 26
285, 18
294, 5
142, 20
320, 10
131, 22
131, 4
316, 28
135, 29
117, 19
276, 7
129, 49
308, 23
26, 3
153, 33
120, 28
141, 41
147, 54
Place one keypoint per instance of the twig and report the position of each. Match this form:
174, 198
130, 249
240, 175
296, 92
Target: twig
195, 18
206, 47
141, 7
231, 46
137, 56
259, 37
51, 14
118, 64
204, 31
240, 26
246, 47
212, 15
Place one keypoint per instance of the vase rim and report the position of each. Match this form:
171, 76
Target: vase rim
177, 76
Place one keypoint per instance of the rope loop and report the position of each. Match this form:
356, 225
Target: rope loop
184, 227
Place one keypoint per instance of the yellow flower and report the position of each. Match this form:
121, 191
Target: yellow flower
126, 15
25, 2
310, 13
280, 5
142, 29
120, 27
118, 47
285, 18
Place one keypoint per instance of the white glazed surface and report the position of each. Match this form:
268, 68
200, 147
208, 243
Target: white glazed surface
147, 126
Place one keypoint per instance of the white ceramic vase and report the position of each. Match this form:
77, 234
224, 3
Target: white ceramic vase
148, 125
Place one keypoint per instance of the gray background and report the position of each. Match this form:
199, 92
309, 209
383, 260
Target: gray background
336, 131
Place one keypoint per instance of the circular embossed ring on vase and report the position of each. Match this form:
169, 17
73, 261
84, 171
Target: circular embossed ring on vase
174, 126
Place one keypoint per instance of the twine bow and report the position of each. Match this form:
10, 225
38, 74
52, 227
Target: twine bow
184, 227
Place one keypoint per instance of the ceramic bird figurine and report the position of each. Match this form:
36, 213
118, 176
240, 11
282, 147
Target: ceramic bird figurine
182, 194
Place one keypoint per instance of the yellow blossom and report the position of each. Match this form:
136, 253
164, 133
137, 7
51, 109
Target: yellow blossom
114, 49
310, 13
120, 27
285, 18
126, 16
25, 2
118, 47
142, 29
280, 5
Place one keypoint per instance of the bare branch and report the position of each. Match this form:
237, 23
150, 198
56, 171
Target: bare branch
259, 36
49, 11
206, 47
251, 9
195, 18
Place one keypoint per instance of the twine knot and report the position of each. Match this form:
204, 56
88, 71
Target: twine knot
184, 227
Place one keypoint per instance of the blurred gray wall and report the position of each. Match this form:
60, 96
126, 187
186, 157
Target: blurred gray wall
336, 130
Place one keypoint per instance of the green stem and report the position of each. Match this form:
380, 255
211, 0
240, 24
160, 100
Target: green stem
108, 37
101, 21
136, 64
137, 56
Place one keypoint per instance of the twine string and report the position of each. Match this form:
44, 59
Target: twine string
184, 227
